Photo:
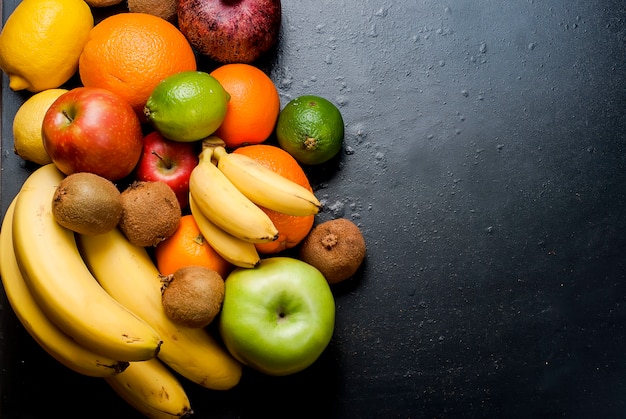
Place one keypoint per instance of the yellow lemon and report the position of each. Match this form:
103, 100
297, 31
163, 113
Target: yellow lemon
27, 140
41, 42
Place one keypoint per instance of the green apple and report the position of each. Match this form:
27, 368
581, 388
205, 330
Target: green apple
279, 317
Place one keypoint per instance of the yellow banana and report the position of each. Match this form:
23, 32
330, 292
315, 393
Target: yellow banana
152, 389
222, 203
129, 275
236, 251
265, 187
56, 343
62, 284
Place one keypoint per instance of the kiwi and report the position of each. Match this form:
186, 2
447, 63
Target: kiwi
150, 212
87, 203
165, 9
102, 3
193, 295
336, 248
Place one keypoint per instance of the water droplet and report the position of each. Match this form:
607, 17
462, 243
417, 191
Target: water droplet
349, 151
483, 48
465, 93
532, 46
382, 12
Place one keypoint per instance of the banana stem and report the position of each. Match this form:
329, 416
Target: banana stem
212, 142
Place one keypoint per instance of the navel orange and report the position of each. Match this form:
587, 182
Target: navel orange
130, 53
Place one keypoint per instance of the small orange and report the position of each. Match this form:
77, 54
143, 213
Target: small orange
130, 53
187, 247
253, 107
291, 229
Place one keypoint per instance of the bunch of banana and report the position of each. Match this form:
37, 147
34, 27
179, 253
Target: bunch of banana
54, 341
226, 192
152, 389
61, 285
129, 275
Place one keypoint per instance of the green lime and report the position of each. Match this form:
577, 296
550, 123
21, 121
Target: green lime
187, 106
310, 128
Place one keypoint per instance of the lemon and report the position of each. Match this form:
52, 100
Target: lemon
187, 106
41, 42
27, 140
311, 129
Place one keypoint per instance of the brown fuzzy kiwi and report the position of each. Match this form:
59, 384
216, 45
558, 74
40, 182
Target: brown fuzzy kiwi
336, 248
193, 295
165, 9
87, 204
102, 3
150, 213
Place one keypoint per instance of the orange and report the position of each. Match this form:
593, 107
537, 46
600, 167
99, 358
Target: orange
291, 229
253, 107
130, 53
187, 247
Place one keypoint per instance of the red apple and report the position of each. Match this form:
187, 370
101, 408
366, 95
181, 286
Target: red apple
92, 130
230, 31
169, 161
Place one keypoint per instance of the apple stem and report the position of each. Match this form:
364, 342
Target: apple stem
65, 114
167, 163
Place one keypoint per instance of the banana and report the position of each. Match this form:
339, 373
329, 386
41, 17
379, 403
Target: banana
236, 251
129, 275
222, 203
62, 285
152, 389
56, 343
265, 187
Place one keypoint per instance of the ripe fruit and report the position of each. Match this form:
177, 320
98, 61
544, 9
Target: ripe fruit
27, 140
87, 204
150, 213
253, 107
92, 130
291, 229
311, 129
41, 41
279, 317
230, 31
165, 9
188, 247
168, 161
192, 296
336, 247
130, 53
187, 106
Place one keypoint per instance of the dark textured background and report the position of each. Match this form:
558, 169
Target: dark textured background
484, 162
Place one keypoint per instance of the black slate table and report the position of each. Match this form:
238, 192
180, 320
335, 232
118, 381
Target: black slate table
484, 160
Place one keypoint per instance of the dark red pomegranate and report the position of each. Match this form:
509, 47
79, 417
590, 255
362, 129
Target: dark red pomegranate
230, 31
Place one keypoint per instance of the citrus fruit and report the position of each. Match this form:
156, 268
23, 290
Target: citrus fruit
310, 128
187, 247
187, 106
253, 108
130, 53
291, 229
41, 41
27, 139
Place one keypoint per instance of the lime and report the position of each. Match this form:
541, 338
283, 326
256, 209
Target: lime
187, 106
27, 139
310, 128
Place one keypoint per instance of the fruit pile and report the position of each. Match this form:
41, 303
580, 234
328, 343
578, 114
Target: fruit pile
167, 197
